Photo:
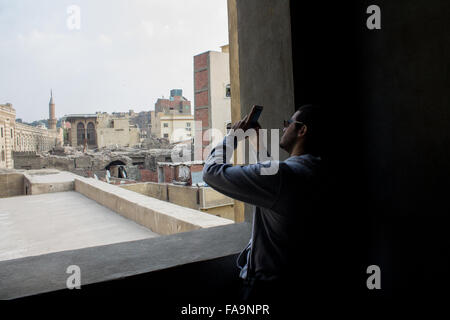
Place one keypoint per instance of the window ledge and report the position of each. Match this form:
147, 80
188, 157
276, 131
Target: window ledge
45, 273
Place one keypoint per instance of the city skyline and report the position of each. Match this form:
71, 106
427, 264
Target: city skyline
125, 59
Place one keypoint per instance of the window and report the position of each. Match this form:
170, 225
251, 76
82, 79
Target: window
91, 133
166, 135
2, 132
228, 91
80, 134
3, 155
188, 129
11, 133
166, 125
188, 124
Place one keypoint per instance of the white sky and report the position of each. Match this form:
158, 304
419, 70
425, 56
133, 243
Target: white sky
126, 54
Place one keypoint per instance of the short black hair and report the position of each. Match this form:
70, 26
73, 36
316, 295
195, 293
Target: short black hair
312, 116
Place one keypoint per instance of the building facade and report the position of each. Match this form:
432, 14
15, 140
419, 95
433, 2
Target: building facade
175, 104
82, 127
172, 118
176, 128
116, 130
20, 137
7, 124
102, 130
212, 92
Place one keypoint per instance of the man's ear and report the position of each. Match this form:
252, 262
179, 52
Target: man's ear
302, 131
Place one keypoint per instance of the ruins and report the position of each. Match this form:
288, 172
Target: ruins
114, 164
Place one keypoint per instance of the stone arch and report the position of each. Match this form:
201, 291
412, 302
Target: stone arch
116, 169
115, 163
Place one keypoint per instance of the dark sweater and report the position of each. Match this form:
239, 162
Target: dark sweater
280, 198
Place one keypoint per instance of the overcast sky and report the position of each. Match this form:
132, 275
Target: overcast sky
125, 55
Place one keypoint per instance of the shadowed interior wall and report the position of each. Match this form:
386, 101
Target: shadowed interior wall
264, 63
385, 93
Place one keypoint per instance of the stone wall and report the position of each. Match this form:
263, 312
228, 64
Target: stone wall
200, 198
90, 163
11, 183
159, 216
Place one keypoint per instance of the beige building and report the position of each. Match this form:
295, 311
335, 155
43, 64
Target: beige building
113, 130
172, 118
176, 127
219, 84
19, 137
102, 130
212, 103
82, 127
7, 124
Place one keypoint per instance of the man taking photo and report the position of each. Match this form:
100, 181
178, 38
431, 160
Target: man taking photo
280, 201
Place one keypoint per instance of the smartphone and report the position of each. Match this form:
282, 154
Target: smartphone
254, 114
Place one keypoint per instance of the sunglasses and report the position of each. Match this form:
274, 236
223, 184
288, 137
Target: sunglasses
287, 123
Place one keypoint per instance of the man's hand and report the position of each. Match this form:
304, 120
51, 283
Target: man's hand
245, 125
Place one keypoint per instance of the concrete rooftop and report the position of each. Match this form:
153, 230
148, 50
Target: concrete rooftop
50, 176
46, 223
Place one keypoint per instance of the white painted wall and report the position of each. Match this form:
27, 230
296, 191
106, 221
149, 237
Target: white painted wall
219, 78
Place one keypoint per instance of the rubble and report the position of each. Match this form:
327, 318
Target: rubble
137, 162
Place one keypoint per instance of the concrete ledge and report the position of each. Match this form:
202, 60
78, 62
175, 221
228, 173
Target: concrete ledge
45, 273
159, 216
11, 183
210, 198
48, 181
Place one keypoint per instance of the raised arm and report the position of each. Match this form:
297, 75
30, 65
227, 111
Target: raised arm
244, 183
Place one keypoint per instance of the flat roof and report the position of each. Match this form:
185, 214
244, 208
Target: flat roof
50, 177
81, 115
40, 224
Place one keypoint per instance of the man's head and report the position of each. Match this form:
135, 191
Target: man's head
302, 130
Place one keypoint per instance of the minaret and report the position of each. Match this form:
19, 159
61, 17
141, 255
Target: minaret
51, 111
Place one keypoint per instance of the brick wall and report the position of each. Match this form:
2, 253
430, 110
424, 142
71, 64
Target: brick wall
149, 175
201, 99
202, 115
201, 91
201, 61
169, 174
196, 167
201, 80
164, 105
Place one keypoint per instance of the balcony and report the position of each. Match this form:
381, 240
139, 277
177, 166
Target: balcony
111, 233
